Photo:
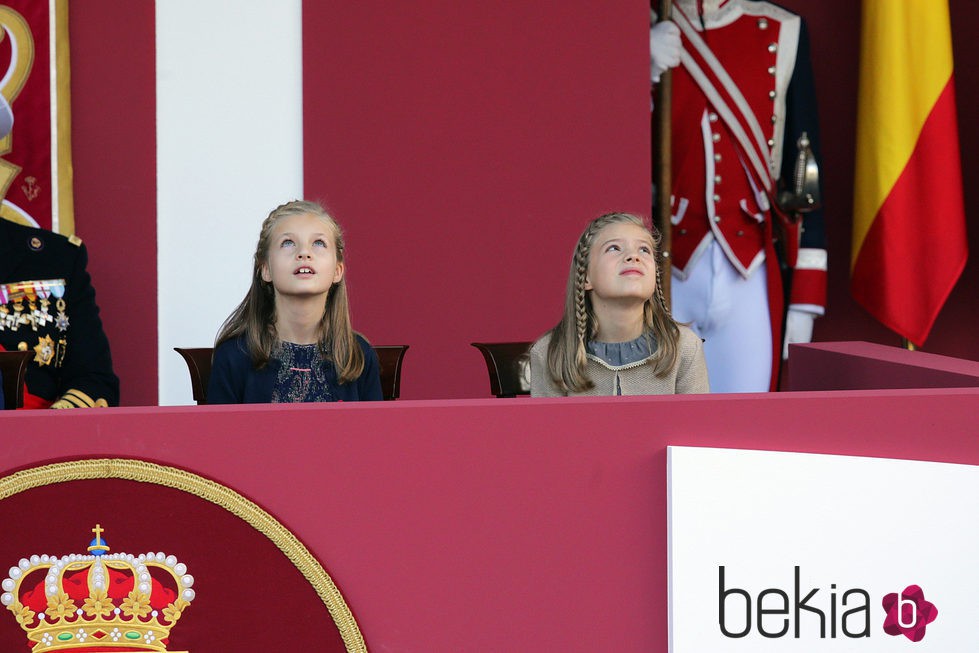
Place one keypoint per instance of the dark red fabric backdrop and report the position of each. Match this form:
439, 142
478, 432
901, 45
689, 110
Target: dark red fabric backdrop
463, 147
250, 597
113, 89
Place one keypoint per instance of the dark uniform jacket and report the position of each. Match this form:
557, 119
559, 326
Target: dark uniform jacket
72, 366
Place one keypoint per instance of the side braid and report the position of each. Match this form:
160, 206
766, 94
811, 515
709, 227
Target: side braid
660, 297
581, 308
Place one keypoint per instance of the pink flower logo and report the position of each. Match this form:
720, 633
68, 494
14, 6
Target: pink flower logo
908, 613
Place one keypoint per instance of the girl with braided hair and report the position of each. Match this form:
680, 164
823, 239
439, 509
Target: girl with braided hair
617, 336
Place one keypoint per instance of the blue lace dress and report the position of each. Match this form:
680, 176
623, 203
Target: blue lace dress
301, 375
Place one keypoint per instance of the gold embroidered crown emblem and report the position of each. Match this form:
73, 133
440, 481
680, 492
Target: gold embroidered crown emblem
101, 601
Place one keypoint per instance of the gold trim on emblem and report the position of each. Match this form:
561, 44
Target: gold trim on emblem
144, 472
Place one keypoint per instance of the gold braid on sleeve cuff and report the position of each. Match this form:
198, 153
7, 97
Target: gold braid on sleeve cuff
78, 399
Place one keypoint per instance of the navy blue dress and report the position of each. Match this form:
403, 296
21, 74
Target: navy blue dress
295, 373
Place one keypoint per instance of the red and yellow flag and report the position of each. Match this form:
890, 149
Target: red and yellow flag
909, 239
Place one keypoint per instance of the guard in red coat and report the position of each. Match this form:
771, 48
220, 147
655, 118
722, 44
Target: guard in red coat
748, 239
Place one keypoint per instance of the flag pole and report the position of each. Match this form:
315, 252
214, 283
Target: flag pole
662, 165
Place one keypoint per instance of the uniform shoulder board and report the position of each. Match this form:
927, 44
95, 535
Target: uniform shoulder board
75, 240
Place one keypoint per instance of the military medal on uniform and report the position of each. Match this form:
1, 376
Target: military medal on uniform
14, 314
58, 291
36, 293
44, 351
19, 316
40, 306
7, 320
61, 320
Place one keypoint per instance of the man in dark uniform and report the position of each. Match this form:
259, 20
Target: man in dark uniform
47, 305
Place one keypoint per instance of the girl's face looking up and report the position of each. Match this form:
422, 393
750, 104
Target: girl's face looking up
621, 264
302, 257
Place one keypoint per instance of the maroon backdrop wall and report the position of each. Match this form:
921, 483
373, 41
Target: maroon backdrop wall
113, 87
462, 148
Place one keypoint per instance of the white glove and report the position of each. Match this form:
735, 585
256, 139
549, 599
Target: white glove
798, 328
664, 48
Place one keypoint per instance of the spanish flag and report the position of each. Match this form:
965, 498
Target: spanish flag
909, 239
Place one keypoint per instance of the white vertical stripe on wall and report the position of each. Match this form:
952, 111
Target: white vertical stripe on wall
229, 149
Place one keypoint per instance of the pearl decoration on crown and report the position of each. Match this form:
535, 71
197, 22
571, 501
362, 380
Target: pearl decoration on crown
143, 614
98, 574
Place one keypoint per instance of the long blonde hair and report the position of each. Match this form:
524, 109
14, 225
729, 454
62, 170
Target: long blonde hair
255, 316
566, 352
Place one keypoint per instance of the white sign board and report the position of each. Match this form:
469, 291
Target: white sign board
800, 552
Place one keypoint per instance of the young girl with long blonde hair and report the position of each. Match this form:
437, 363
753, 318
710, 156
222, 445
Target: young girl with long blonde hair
290, 339
617, 336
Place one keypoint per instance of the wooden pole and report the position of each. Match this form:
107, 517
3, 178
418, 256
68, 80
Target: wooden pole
662, 165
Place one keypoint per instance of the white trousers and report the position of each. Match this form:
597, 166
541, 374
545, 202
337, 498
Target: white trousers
731, 314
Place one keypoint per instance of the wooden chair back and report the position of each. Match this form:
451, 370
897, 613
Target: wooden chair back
390, 357
199, 364
198, 361
13, 368
508, 366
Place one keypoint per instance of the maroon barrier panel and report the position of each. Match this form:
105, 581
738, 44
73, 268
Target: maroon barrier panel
486, 525
866, 365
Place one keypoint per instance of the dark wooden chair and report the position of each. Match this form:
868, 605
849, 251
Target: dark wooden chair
13, 368
199, 364
198, 361
390, 357
507, 364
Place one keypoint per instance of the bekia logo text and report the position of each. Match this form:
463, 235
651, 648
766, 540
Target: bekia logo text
806, 611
